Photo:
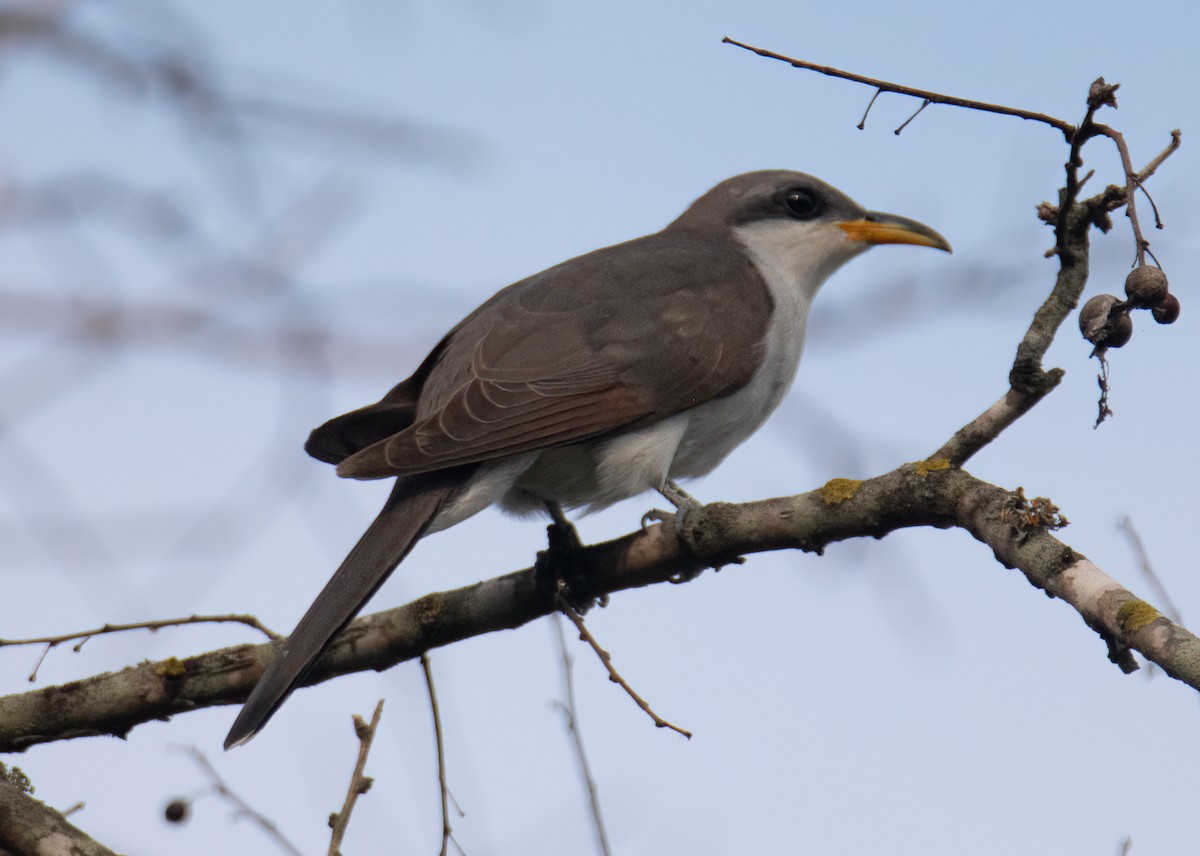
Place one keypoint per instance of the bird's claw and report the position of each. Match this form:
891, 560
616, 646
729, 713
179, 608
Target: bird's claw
655, 515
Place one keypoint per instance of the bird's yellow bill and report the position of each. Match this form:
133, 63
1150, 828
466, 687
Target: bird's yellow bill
890, 229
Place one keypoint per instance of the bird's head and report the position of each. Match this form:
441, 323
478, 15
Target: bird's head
798, 227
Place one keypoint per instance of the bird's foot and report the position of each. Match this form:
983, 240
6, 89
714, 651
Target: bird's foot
688, 520
687, 513
558, 569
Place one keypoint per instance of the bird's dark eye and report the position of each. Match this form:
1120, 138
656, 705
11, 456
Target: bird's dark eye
802, 204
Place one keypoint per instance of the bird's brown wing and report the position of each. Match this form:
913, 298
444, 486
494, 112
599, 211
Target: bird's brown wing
612, 340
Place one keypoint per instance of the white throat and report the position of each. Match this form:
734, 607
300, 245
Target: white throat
794, 259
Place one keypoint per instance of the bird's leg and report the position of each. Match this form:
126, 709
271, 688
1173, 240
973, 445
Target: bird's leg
685, 505
683, 501
557, 566
561, 532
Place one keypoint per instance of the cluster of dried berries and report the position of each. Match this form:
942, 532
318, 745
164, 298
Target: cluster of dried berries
1104, 320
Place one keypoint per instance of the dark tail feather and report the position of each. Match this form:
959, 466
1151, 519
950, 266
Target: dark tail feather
414, 503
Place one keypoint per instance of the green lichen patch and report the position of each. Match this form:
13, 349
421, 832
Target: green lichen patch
170, 668
933, 465
1135, 614
837, 491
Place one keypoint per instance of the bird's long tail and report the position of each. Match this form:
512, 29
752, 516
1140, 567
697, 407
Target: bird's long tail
406, 516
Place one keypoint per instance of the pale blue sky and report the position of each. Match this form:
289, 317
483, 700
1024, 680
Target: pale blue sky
904, 697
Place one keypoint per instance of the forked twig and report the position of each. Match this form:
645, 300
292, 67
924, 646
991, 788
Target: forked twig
1134, 179
935, 97
84, 635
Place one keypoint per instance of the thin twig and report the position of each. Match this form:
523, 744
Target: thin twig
85, 635
569, 714
1134, 180
243, 808
937, 98
613, 674
359, 784
447, 831
1158, 223
1150, 168
917, 113
38, 665
863, 123
1131, 185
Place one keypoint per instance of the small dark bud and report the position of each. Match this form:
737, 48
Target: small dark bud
1102, 94
1167, 310
176, 811
1146, 286
1093, 318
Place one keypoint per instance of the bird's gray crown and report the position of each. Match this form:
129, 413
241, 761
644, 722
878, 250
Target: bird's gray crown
773, 194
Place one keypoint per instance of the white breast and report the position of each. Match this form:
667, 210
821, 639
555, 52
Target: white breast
794, 261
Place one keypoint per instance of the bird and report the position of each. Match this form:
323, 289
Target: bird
607, 376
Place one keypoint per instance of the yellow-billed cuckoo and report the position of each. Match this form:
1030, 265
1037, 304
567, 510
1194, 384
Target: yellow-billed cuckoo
604, 377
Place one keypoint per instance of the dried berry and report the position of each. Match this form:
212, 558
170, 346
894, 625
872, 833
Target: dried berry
1146, 286
176, 811
1119, 330
1167, 310
1093, 318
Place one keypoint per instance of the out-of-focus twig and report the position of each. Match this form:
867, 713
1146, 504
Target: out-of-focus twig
1125, 524
570, 715
242, 808
447, 831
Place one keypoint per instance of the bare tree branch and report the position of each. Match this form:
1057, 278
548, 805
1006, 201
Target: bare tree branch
29, 827
928, 493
